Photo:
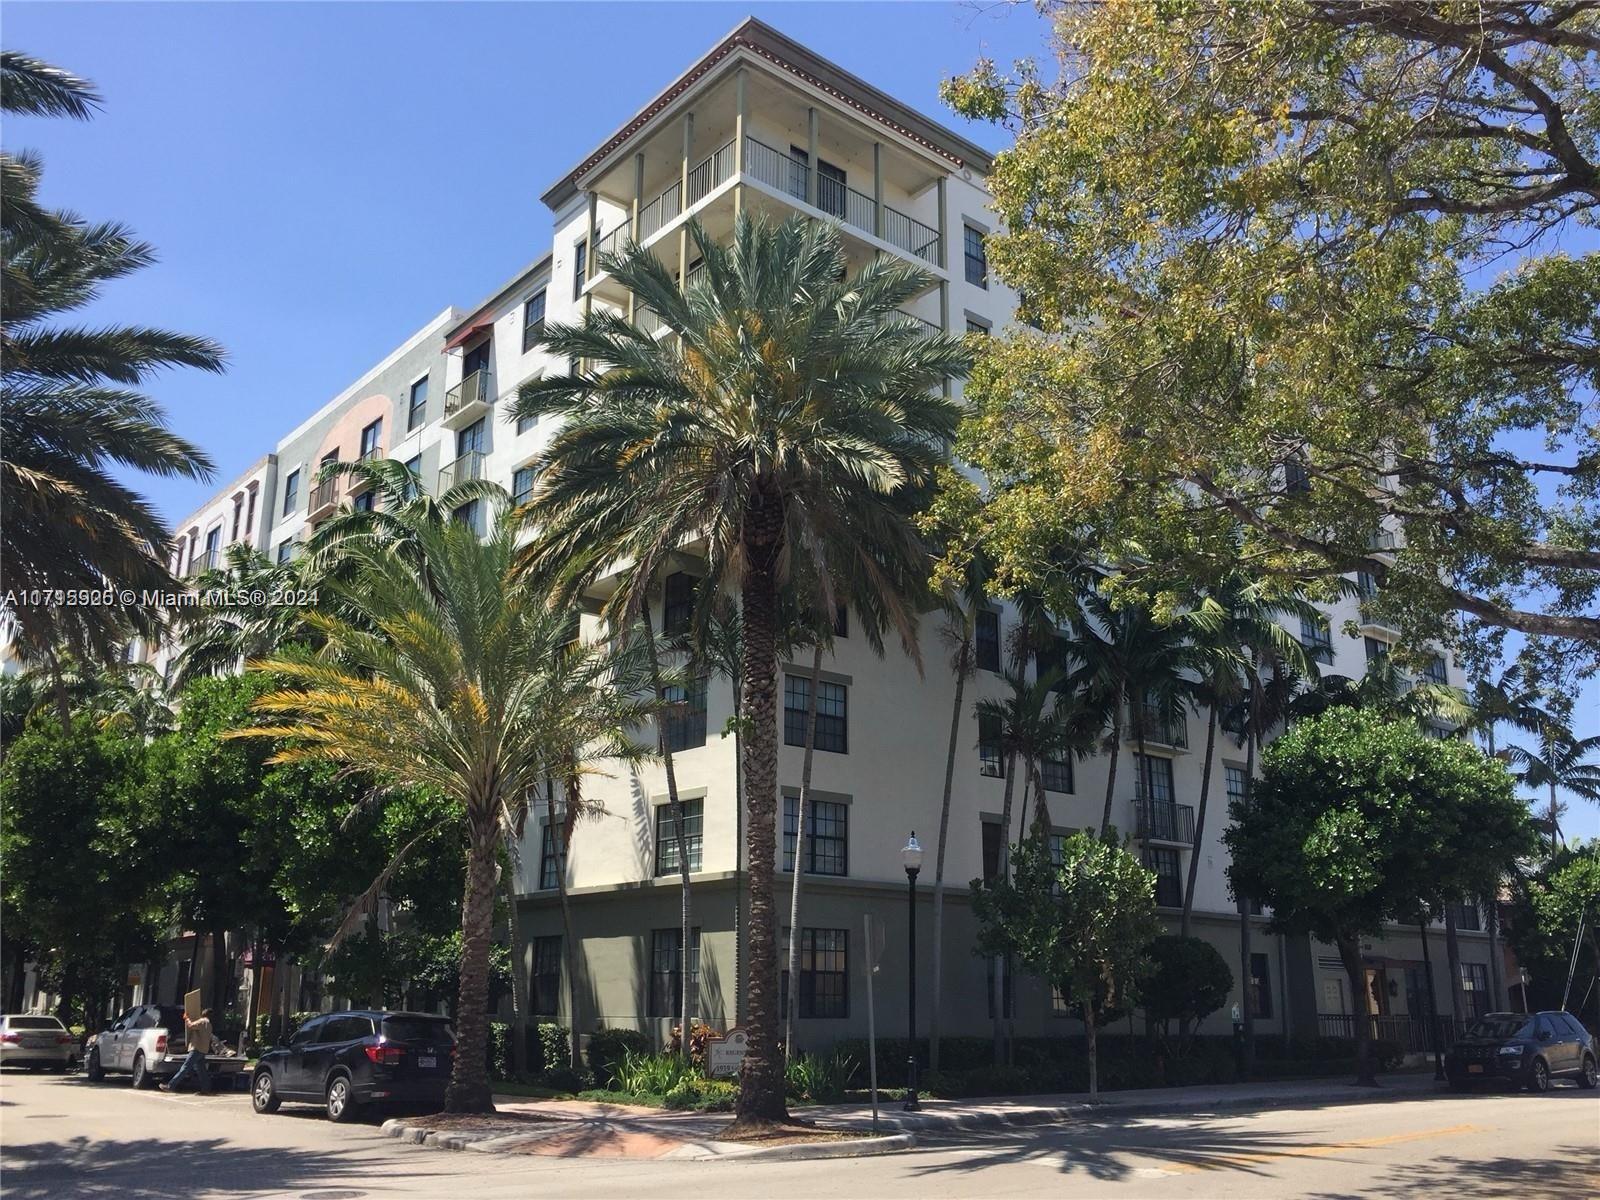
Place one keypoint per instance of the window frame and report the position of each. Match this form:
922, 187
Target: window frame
670, 942
545, 947
975, 261
533, 329
666, 841
836, 837
417, 405
291, 492
832, 733
986, 650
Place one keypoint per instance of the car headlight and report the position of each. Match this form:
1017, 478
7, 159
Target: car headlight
1510, 1049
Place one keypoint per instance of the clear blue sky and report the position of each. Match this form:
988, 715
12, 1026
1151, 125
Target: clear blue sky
320, 179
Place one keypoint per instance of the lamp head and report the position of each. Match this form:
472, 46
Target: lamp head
911, 855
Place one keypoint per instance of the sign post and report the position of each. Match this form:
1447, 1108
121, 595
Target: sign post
874, 941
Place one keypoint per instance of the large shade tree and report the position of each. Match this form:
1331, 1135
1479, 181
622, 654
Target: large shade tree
785, 427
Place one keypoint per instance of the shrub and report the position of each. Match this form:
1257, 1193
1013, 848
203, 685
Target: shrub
1191, 981
555, 1048
606, 1048
818, 1080
702, 1095
652, 1074
565, 1079
699, 1038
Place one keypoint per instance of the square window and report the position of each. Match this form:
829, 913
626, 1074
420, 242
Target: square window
1376, 649
827, 835
1435, 672
986, 639
364, 502
667, 836
832, 716
1056, 774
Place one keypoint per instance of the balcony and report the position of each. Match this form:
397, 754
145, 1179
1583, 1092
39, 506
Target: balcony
1164, 821
469, 466
358, 484
206, 560
467, 401
1145, 724
324, 499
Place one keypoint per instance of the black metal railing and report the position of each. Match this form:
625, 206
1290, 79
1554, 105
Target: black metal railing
1146, 720
324, 495
469, 466
474, 389
1164, 821
1410, 1033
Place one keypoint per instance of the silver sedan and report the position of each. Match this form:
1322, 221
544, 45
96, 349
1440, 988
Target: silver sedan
34, 1041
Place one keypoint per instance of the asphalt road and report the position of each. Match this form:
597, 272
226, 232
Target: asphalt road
61, 1137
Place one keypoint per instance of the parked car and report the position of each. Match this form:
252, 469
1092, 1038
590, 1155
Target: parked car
149, 1043
1525, 1049
27, 1040
346, 1060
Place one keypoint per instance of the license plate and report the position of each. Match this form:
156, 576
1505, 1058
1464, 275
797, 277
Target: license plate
1474, 1069
427, 1060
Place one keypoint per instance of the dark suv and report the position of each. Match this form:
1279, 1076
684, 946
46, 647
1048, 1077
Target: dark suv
344, 1060
1527, 1049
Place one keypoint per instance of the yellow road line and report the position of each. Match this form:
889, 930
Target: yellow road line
1317, 1150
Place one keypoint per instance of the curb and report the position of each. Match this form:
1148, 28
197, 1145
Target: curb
868, 1147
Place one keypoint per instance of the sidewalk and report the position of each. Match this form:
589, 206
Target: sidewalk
581, 1129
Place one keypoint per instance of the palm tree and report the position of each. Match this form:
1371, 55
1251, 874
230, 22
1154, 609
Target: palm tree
448, 683
230, 625
70, 416
789, 416
1560, 761
1508, 700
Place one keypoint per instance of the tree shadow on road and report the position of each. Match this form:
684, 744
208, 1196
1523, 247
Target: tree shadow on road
1563, 1171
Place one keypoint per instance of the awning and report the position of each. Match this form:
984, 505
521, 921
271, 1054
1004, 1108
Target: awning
480, 326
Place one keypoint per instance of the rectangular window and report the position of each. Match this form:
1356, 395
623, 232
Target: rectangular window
291, 492
213, 546
1155, 778
991, 751
684, 728
364, 501
469, 441
285, 550
1468, 917
250, 512
470, 514
977, 327
986, 640
1056, 774
546, 976
1316, 638
532, 320
1366, 585
417, 412
841, 621
370, 437
1295, 477
1237, 784
824, 980
1260, 985
1008, 993
238, 515
832, 716
522, 485
677, 604
1376, 650
414, 465
827, 835
551, 859
1169, 883
580, 267
992, 835
977, 257
1434, 672
666, 971
667, 836
1475, 988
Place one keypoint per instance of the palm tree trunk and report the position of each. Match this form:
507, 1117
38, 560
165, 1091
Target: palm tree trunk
1452, 954
999, 988
686, 997
569, 938
738, 854
761, 1081
800, 852
1111, 767
519, 975
469, 1081
1199, 825
1491, 906
963, 660
1022, 801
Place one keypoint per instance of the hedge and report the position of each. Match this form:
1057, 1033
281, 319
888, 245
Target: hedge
606, 1048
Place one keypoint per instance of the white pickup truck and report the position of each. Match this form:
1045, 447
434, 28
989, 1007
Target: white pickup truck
148, 1043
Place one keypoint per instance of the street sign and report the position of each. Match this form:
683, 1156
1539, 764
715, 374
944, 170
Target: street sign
725, 1055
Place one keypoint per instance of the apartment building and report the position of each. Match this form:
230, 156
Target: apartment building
761, 124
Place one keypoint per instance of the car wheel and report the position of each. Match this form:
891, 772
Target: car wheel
341, 1101
1539, 1078
141, 1073
263, 1095
92, 1069
1589, 1076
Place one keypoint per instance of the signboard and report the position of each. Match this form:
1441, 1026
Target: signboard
135, 976
191, 1004
725, 1055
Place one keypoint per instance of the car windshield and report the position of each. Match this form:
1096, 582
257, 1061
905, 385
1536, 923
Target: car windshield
1507, 1026
33, 1023
417, 1029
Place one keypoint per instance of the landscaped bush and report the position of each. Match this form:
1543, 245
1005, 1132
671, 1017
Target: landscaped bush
645, 1074
565, 1079
555, 1048
815, 1079
703, 1095
606, 1049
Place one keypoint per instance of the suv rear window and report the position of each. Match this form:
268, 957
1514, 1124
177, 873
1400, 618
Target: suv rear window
33, 1023
1508, 1025
418, 1029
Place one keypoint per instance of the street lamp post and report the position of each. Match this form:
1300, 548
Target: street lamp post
911, 857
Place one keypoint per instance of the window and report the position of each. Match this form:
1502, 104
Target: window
827, 835
469, 441
547, 975
991, 753
285, 550
291, 492
551, 858
1237, 784
1008, 997
250, 511
831, 187
992, 835
1155, 778
369, 440
977, 257
677, 604
841, 621
986, 640
1475, 988
1056, 774
1434, 672
1169, 884
666, 971
1058, 1003
1468, 917
1377, 650
1054, 655
417, 413
414, 465
684, 728
1316, 638
532, 320
470, 514
824, 980
213, 545
1295, 477
522, 485
1366, 585
238, 513
667, 836
1260, 986
832, 720
977, 327
580, 267
364, 501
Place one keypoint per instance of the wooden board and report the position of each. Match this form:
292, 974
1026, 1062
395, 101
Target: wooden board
192, 1005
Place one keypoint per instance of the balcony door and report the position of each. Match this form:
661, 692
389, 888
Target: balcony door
476, 359
470, 439
831, 184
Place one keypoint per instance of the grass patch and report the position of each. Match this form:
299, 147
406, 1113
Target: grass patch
534, 1091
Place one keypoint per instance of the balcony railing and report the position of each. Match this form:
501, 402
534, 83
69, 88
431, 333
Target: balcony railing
206, 560
324, 496
928, 327
469, 466
371, 454
474, 389
1164, 821
1144, 723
